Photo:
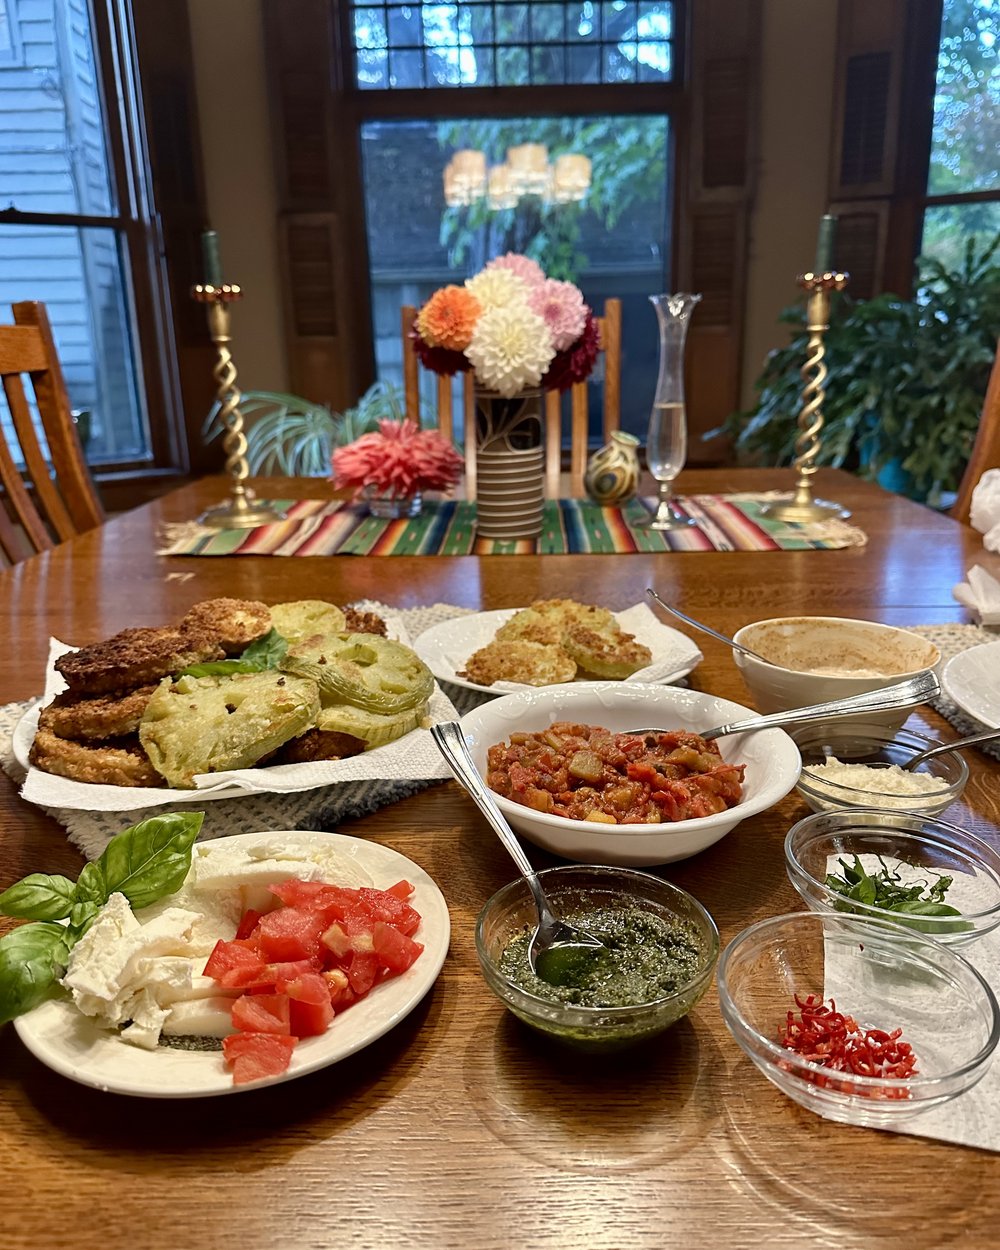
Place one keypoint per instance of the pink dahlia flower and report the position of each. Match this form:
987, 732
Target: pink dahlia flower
561, 306
530, 271
577, 361
398, 460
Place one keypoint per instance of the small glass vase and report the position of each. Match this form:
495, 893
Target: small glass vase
392, 507
666, 441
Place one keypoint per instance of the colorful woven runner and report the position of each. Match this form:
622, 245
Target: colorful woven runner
317, 527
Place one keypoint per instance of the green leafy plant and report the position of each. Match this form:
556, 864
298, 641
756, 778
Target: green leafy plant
906, 379
293, 437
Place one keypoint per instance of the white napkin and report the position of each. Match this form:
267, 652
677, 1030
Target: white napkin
413, 757
981, 593
984, 512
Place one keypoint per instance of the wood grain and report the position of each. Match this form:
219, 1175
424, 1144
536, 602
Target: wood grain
460, 1128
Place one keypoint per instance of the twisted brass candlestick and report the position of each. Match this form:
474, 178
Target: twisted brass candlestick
241, 511
801, 506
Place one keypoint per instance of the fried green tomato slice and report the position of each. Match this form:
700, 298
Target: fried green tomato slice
364, 670
520, 660
305, 618
611, 656
373, 730
210, 724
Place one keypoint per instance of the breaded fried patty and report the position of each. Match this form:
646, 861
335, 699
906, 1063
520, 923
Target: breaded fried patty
531, 663
356, 622
121, 763
99, 716
234, 623
135, 657
611, 656
317, 744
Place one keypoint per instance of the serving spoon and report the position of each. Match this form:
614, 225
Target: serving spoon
558, 952
988, 735
908, 693
707, 629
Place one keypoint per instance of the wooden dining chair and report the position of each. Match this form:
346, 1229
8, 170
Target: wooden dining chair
609, 325
985, 450
52, 497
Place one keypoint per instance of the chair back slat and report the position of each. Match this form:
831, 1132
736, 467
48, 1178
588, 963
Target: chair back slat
985, 450
61, 501
609, 329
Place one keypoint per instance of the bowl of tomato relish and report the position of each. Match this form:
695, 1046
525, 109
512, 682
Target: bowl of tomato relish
857, 1019
570, 772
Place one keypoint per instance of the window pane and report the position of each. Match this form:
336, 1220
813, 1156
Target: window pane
53, 149
78, 274
470, 44
966, 135
950, 228
614, 243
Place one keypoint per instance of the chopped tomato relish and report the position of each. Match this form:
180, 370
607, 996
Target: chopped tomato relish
588, 773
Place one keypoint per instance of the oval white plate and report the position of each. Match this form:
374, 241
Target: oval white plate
74, 1046
446, 648
972, 680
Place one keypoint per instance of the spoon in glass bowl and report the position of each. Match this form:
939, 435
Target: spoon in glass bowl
987, 735
558, 952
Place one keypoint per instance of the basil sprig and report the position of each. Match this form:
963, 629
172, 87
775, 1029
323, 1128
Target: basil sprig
885, 889
265, 653
145, 863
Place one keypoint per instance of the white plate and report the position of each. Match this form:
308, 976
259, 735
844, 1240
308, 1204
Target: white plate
74, 1046
446, 648
972, 680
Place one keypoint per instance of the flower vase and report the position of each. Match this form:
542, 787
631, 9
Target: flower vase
612, 474
390, 506
666, 442
510, 465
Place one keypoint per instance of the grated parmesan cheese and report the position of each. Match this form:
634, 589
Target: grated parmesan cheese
891, 780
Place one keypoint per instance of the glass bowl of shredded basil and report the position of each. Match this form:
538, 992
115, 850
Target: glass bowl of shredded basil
912, 870
661, 948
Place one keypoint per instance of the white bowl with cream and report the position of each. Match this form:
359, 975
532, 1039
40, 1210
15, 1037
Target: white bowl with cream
815, 658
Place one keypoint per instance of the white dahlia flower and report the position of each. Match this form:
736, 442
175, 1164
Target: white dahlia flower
497, 288
511, 348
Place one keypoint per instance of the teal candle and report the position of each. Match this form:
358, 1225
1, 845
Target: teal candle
211, 259
824, 244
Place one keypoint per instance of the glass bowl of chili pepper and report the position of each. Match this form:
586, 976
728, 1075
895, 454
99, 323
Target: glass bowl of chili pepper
916, 871
855, 1019
858, 766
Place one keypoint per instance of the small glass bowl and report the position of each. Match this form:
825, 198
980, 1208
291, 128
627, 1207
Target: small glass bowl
933, 847
512, 909
818, 742
885, 978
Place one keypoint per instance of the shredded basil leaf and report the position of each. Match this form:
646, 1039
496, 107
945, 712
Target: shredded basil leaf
265, 653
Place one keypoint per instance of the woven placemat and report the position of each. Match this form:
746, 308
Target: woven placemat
322, 808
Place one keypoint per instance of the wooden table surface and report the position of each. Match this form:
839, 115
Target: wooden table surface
461, 1128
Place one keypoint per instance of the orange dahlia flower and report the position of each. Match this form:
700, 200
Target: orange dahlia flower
448, 318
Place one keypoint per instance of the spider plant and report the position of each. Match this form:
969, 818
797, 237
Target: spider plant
293, 437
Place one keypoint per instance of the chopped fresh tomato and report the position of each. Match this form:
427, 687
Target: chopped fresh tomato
289, 933
254, 1056
227, 956
395, 951
262, 1013
268, 975
381, 905
362, 970
309, 1002
402, 890
248, 922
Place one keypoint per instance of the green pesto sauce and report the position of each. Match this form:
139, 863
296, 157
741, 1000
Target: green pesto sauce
648, 957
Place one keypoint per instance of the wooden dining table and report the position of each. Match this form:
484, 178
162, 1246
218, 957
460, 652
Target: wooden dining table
460, 1127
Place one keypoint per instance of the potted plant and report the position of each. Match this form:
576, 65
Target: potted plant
906, 380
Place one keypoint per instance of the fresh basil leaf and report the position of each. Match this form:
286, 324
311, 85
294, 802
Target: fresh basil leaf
81, 918
39, 897
924, 907
31, 958
90, 885
864, 891
265, 653
152, 858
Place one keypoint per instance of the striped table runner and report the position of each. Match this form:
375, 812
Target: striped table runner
317, 527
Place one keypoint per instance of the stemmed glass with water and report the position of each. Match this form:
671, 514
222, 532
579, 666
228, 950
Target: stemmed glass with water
666, 441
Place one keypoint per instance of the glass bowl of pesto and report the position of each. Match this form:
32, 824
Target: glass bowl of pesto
860, 767
857, 1020
662, 948
916, 871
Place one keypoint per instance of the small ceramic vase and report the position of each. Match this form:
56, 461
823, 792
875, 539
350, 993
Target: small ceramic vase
612, 474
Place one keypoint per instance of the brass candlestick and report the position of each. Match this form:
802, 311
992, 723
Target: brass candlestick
241, 511
801, 506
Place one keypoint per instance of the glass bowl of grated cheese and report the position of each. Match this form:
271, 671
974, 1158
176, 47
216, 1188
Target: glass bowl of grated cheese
852, 768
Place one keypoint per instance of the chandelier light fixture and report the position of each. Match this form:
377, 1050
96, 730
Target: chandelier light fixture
526, 171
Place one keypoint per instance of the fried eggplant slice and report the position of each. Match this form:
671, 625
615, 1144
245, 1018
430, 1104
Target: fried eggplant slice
135, 657
364, 670
97, 716
210, 724
318, 744
520, 660
119, 763
233, 623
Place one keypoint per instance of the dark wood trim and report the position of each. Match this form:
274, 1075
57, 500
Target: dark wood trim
961, 197
573, 99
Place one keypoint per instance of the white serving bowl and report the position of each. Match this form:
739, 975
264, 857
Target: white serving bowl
865, 655
771, 757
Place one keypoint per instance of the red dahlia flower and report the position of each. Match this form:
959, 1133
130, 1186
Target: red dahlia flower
576, 362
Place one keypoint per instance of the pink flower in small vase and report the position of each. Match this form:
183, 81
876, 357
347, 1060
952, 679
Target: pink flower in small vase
398, 460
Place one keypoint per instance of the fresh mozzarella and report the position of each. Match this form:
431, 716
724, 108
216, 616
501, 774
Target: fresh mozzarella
202, 1017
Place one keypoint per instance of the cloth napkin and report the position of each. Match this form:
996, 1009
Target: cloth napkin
981, 592
984, 511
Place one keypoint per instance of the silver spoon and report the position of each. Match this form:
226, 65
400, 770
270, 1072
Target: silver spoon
706, 629
558, 951
988, 735
907, 693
